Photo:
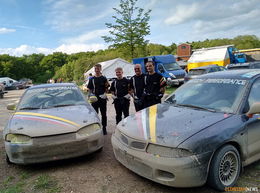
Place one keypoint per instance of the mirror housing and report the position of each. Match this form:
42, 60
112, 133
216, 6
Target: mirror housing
11, 106
254, 109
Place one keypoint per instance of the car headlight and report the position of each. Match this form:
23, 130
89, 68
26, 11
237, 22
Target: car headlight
169, 152
172, 75
89, 130
18, 138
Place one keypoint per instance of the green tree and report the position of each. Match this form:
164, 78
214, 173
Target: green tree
130, 28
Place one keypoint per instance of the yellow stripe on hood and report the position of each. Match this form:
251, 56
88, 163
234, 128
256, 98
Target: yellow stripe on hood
152, 122
47, 116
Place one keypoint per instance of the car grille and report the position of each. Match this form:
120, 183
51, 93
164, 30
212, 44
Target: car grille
130, 142
179, 76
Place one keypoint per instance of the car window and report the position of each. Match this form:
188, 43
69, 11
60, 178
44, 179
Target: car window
254, 95
51, 97
257, 65
222, 95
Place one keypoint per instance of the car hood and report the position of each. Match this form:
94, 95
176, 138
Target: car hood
168, 125
51, 121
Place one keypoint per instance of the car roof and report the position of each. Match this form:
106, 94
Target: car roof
245, 74
205, 67
52, 85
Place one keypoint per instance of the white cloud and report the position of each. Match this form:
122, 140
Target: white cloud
67, 15
65, 48
75, 48
6, 30
24, 50
183, 13
83, 38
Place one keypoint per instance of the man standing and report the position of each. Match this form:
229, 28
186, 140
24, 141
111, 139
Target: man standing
137, 84
98, 86
155, 86
120, 94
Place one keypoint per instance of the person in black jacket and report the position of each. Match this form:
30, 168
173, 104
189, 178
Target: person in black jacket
155, 86
137, 84
120, 94
98, 85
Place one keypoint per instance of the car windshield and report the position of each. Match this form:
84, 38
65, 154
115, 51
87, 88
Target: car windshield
197, 71
171, 66
220, 95
51, 97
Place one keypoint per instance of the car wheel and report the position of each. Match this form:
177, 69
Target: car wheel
224, 168
17, 88
1, 96
99, 150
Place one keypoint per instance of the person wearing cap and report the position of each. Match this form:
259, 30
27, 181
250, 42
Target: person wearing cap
137, 84
154, 87
120, 93
98, 86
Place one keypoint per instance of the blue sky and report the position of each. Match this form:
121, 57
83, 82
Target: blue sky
70, 26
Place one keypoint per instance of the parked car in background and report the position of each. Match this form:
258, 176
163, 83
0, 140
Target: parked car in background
11, 84
205, 131
248, 65
26, 82
52, 122
16, 86
195, 72
2, 90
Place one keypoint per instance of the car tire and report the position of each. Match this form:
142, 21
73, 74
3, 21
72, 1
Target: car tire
1, 96
17, 88
99, 150
224, 168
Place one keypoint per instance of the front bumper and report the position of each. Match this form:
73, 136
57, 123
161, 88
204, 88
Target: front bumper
177, 172
49, 148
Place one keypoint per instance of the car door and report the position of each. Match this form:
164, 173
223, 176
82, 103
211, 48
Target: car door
253, 124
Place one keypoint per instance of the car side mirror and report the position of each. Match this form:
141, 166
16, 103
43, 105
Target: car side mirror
254, 109
11, 106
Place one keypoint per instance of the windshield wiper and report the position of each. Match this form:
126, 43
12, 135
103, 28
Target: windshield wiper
62, 105
197, 107
29, 108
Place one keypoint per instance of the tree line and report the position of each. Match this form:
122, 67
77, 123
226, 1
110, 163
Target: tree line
70, 67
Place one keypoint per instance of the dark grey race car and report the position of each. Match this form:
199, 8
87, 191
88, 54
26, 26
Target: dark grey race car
204, 132
52, 122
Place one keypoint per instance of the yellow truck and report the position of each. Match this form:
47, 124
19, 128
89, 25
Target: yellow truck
220, 55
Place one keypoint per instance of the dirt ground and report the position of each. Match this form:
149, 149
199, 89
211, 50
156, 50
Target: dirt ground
95, 173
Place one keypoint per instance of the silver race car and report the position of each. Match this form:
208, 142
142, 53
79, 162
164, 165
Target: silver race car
52, 122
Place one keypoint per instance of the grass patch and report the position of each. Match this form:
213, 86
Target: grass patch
170, 90
27, 183
46, 183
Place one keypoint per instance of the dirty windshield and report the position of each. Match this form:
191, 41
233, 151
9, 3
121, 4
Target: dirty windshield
51, 97
172, 66
220, 95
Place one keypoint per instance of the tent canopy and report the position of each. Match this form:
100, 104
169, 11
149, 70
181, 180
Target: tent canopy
109, 66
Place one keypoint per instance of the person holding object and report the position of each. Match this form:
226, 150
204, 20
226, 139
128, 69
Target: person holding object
120, 94
98, 86
155, 86
137, 84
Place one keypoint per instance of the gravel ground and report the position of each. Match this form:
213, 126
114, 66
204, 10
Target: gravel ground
95, 173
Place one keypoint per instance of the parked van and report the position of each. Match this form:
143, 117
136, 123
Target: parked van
8, 83
166, 66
